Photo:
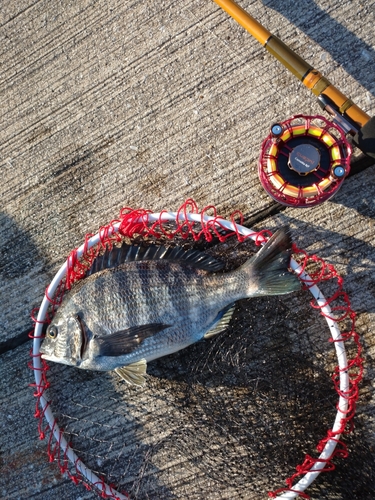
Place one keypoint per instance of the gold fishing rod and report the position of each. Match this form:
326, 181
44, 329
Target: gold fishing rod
305, 159
310, 77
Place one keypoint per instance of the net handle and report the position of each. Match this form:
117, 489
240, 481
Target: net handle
342, 406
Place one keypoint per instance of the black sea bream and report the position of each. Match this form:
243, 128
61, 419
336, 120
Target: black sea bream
138, 304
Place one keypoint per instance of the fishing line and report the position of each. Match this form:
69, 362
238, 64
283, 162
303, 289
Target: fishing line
113, 406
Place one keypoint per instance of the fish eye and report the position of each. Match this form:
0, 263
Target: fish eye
52, 332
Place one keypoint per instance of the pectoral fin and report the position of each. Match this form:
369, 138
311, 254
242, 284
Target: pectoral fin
221, 322
126, 341
133, 374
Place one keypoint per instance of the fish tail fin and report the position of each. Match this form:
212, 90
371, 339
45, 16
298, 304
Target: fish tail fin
269, 267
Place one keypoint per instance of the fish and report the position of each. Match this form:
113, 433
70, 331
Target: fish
137, 304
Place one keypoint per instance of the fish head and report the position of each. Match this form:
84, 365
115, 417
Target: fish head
65, 341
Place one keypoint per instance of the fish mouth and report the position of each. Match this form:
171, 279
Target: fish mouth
44, 354
55, 359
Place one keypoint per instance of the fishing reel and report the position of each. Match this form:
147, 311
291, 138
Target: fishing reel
304, 160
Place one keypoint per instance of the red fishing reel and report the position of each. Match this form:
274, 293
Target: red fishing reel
304, 161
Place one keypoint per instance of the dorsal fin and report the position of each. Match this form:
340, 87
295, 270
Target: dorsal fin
129, 253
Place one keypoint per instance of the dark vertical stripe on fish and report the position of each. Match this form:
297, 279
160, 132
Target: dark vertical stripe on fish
130, 293
173, 291
147, 312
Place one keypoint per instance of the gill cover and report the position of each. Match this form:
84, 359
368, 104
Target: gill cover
64, 341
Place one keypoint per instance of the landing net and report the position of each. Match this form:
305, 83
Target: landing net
226, 418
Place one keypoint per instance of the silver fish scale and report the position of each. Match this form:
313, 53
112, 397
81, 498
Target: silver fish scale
145, 292
148, 292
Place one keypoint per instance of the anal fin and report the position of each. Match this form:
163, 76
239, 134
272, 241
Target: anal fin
133, 374
222, 321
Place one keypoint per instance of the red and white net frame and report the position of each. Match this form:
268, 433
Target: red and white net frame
188, 218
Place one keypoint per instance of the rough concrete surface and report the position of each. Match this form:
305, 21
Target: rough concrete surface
106, 104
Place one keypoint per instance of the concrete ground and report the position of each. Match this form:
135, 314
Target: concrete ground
145, 104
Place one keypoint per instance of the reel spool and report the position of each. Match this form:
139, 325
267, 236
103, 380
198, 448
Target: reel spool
304, 161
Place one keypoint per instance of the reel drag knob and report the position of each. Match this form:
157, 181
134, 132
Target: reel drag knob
304, 159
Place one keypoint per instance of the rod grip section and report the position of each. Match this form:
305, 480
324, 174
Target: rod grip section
292, 61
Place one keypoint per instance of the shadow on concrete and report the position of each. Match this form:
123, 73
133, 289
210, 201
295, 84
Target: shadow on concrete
18, 257
356, 194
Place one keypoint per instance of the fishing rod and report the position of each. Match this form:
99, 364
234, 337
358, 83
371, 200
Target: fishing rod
305, 159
